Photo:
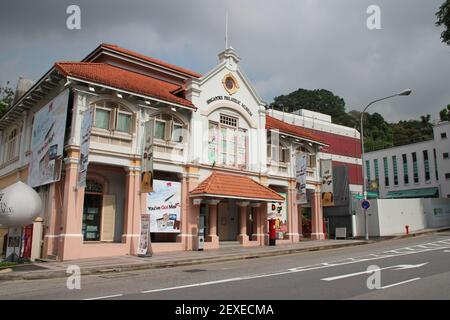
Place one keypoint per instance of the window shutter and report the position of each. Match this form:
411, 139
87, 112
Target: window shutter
133, 124
168, 130
108, 218
112, 119
287, 155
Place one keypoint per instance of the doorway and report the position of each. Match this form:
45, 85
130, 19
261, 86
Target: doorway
92, 216
227, 222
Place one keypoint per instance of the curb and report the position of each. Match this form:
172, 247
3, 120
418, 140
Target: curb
52, 274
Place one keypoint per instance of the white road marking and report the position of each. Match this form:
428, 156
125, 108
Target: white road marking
322, 265
105, 297
399, 283
397, 267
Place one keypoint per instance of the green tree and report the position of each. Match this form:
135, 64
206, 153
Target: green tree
443, 19
319, 100
444, 114
6, 97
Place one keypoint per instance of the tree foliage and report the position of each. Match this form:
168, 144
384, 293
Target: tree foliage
443, 19
378, 133
6, 98
444, 114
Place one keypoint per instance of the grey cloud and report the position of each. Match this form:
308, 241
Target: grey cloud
284, 44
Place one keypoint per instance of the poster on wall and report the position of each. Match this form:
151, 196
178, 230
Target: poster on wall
164, 206
86, 128
326, 173
145, 249
278, 211
47, 141
300, 175
147, 158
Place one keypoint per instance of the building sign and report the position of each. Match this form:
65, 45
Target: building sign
278, 212
86, 128
326, 172
228, 98
147, 158
164, 206
47, 141
300, 175
144, 248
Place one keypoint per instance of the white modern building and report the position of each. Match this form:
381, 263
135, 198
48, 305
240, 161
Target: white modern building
417, 170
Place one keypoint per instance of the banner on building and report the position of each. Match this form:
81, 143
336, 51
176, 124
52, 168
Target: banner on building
278, 212
47, 141
86, 128
147, 158
326, 173
300, 175
145, 249
164, 206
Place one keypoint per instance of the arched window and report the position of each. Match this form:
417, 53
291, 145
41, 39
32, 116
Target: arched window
168, 128
113, 116
11, 144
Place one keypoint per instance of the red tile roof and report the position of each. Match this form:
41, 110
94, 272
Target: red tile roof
230, 185
273, 123
150, 59
119, 78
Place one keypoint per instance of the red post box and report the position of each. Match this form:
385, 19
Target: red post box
272, 233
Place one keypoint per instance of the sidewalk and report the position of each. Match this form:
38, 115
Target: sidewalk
56, 269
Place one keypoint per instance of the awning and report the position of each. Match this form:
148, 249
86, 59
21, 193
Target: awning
223, 185
370, 195
413, 193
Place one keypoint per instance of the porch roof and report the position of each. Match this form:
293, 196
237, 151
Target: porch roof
234, 186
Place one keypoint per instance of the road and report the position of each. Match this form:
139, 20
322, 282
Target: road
412, 268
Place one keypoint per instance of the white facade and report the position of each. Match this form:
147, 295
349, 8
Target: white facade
389, 217
441, 133
431, 173
411, 175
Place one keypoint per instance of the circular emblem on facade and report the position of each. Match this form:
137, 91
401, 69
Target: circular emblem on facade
230, 83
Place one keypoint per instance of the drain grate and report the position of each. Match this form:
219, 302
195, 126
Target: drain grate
117, 275
194, 270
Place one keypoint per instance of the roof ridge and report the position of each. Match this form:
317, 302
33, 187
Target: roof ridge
150, 59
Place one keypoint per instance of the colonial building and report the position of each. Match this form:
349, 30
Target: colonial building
222, 164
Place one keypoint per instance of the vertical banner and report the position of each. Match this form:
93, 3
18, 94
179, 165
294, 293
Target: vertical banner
278, 212
147, 158
164, 206
300, 175
47, 141
144, 249
326, 173
86, 128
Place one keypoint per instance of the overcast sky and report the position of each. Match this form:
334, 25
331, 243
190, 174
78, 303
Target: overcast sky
284, 45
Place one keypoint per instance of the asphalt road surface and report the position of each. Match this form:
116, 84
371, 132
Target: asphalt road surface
412, 268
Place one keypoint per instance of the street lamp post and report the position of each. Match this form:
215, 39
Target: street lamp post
406, 92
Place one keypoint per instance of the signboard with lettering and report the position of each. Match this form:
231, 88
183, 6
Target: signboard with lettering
326, 170
164, 206
86, 128
47, 141
230, 99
